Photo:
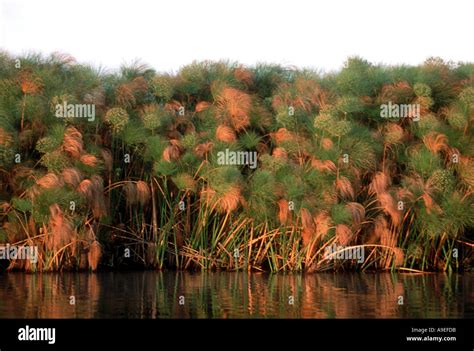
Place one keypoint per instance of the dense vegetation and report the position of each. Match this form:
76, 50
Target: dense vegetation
140, 185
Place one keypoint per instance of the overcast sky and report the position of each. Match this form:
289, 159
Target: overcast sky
306, 33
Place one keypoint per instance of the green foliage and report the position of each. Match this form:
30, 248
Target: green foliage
184, 181
340, 214
328, 123
457, 119
52, 141
438, 75
284, 120
350, 104
163, 168
22, 205
249, 140
458, 213
423, 162
300, 156
189, 141
134, 134
263, 186
151, 118
47, 197
362, 147
443, 180
54, 161
118, 118
268, 77
466, 96
422, 89
223, 177
271, 163
427, 123
154, 148
190, 161
163, 86
357, 78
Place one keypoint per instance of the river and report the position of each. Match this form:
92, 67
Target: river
235, 295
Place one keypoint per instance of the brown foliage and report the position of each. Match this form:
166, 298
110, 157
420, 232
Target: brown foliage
344, 188
202, 150
357, 212
308, 226
230, 199
388, 206
283, 211
379, 183
98, 204
29, 83
108, 159
400, 92
131, 193
93, 190
382, 231
125, 93
6, 139
72, 143
225, 134
430, 204
243, 75
49, 181
94, 255
343, 234
89, 160
303, 93
322, 220
60, 230
280, 153
393, 133
324, 166
234, 105
201, 106
226, 202
436, 142
398, 256
85, 188
326, 143
71, 176
173, 106
143, 192
171, 153
282, 135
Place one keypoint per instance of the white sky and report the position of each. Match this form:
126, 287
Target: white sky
169, 34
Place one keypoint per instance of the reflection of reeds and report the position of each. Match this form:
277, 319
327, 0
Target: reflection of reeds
234, 295
48, 296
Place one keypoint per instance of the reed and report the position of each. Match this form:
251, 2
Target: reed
140, 184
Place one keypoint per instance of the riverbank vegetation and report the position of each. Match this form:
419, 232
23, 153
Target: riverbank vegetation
138, 183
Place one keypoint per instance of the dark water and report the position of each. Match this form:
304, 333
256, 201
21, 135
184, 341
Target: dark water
237, 295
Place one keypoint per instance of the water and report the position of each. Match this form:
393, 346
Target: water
235, 295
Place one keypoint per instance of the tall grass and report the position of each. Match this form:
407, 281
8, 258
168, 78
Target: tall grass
140, 185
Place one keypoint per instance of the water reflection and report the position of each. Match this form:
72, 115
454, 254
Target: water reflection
235, 295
